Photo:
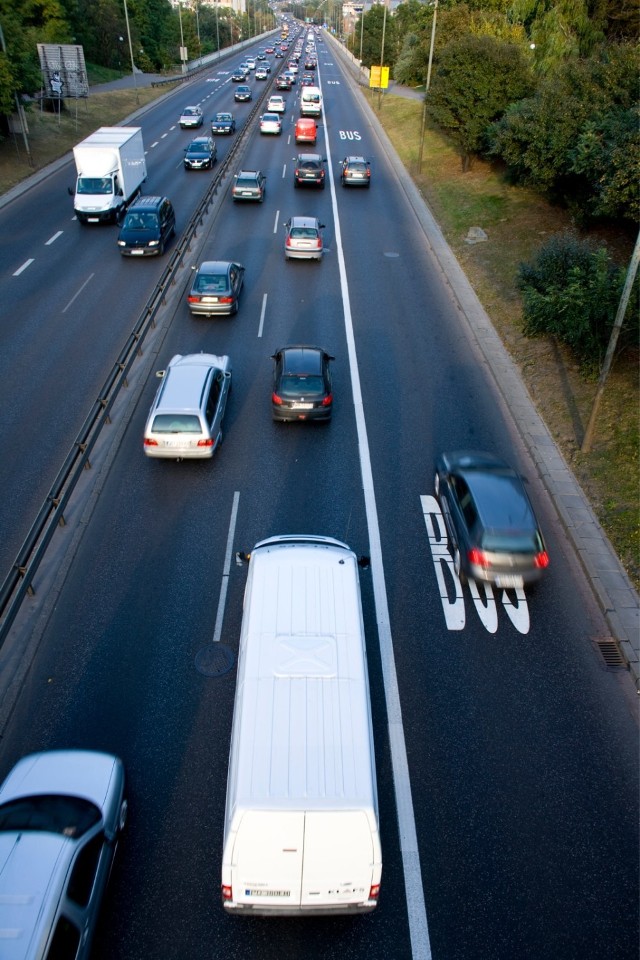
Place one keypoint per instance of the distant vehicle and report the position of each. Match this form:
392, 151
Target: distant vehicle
147, 228
111, 168
301, 383
310, 102
276, 104
61, 816
307, 80
239, 75
283, 82
491, 524
215, 289
200, 154
191, 117
242, 93
291, 76
262, 73
270, 123
303, 239
355, 172
251, 63
309, 170
249, 185
185, 420
223, 123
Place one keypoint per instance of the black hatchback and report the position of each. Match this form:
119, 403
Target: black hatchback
491, 524
150, 222
301, 383
309, 170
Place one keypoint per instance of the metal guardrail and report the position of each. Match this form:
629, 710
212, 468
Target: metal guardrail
19, 581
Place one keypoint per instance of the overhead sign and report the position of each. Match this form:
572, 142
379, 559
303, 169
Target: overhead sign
63, 71
379, 77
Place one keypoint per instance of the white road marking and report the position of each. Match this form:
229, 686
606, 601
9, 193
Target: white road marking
24, 266
217, 632
262, 314
284, 170
74, 297
414, 893
53, 238
155, 144
275, 225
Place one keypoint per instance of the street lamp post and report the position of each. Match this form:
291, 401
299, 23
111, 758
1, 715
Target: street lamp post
133, 66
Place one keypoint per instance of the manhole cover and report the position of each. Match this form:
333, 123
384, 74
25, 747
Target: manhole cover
214, 660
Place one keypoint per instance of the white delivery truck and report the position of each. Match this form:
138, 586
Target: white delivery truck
310, 102
301, 822
111, 167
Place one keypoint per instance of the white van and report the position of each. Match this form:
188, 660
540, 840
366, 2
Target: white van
310, 102
301, 822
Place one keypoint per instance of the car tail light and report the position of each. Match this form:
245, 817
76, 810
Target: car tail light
225, 300
288, 242
541, 560
297, 172
193, 299
148, 442
478, 558
205, 443
374, 892
276, 399
227, 893
328, 400
319, 243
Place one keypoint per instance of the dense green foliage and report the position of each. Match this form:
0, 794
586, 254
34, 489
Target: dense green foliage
571, 291
100, 27
477, 79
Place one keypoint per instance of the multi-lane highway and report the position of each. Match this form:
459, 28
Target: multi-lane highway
521, 749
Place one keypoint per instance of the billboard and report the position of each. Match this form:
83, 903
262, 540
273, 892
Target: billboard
63, 71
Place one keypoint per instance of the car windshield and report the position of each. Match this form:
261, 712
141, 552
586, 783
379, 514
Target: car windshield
212, 283
69, 816
95, 185
140, 221
189, 113
197, 148
511, 541
294, 384
223, 117
176, 423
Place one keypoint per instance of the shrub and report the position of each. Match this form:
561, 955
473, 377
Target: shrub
571, 291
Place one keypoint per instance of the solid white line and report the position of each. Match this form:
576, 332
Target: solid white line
53, 238
90, 277
275, 225
24, 266
414, 893
262, 313
227, 566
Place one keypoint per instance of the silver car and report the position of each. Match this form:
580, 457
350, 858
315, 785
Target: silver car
216, 287
61, 814
303, 239
185, 420
191, 117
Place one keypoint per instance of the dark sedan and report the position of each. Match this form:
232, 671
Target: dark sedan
239, 75
491, 525
242, 93
309, 170
216, 288
200, 154
223, 123
301, 383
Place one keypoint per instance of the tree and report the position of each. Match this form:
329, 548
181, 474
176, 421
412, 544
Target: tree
476, 79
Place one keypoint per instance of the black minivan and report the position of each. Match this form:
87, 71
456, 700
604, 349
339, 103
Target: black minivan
147, 226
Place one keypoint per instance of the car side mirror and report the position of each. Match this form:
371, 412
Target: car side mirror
160, 374
322, 225
71, 191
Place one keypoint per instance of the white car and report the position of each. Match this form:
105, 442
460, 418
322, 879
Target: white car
270, 123
191, 117
276, 104
61, 815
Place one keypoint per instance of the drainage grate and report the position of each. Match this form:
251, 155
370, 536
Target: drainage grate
214, 660
610, 653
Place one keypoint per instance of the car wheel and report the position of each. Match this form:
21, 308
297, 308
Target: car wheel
235, 308
161, 249
295, 183
457, 566
322, 185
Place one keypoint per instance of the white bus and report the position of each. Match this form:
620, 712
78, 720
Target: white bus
301, 822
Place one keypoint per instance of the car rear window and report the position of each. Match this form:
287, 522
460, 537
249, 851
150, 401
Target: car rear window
69, 816
506, 541
176, 423
357, 167
300, 233
293, 385
211, 284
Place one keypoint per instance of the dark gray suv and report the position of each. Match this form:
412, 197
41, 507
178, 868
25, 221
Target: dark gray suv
149, 224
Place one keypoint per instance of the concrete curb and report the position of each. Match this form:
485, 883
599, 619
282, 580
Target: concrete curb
613, 590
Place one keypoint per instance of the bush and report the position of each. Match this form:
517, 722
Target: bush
571, 291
